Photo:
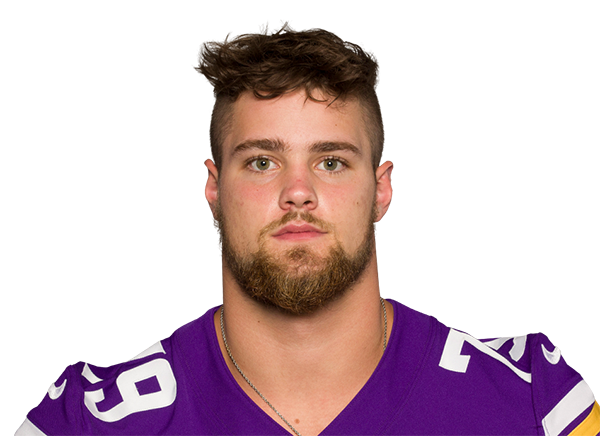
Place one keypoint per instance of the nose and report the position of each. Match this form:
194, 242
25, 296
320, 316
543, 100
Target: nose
298, 191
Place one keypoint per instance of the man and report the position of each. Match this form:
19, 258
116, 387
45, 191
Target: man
303, 342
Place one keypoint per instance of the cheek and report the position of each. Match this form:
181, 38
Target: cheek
245, 209
244, 194
355, 199
351, 209
236, 198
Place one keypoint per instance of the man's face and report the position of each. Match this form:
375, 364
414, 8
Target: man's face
296, 199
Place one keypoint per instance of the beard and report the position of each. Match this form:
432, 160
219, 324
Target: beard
297, 281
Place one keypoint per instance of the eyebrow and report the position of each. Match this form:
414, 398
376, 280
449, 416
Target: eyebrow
280, 146
260, 144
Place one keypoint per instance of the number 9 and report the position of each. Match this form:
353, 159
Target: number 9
133, 402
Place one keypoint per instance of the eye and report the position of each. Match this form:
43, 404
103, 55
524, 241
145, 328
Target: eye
331, 165
261, 164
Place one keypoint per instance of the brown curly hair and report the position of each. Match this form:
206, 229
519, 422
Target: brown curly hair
270, 65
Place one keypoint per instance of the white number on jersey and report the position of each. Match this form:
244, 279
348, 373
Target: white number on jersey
132, 400
453, 360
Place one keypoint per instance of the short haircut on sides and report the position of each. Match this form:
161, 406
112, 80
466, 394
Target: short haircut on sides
270, 65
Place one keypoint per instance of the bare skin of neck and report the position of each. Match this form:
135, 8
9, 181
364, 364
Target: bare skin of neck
309, 367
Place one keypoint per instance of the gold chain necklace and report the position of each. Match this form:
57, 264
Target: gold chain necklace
254, 387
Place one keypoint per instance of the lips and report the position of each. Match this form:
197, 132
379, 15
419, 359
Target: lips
297, 228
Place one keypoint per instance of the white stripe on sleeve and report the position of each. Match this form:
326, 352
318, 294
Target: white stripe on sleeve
570, 407
28, 429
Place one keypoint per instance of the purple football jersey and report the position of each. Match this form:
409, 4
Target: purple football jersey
431, 380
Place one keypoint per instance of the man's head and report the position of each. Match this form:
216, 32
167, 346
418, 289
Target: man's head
316, 61
294, 192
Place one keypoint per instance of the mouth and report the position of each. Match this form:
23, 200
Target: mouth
298, 232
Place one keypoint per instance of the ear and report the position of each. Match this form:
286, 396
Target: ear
383, 177
212, 185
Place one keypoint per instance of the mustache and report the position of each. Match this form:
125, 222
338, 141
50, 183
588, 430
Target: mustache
295, 216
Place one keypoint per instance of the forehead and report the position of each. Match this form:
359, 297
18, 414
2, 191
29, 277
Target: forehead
296, 121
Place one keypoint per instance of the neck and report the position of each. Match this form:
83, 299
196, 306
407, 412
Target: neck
308, 366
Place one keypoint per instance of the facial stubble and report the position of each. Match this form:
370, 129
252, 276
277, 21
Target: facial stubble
299, 280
